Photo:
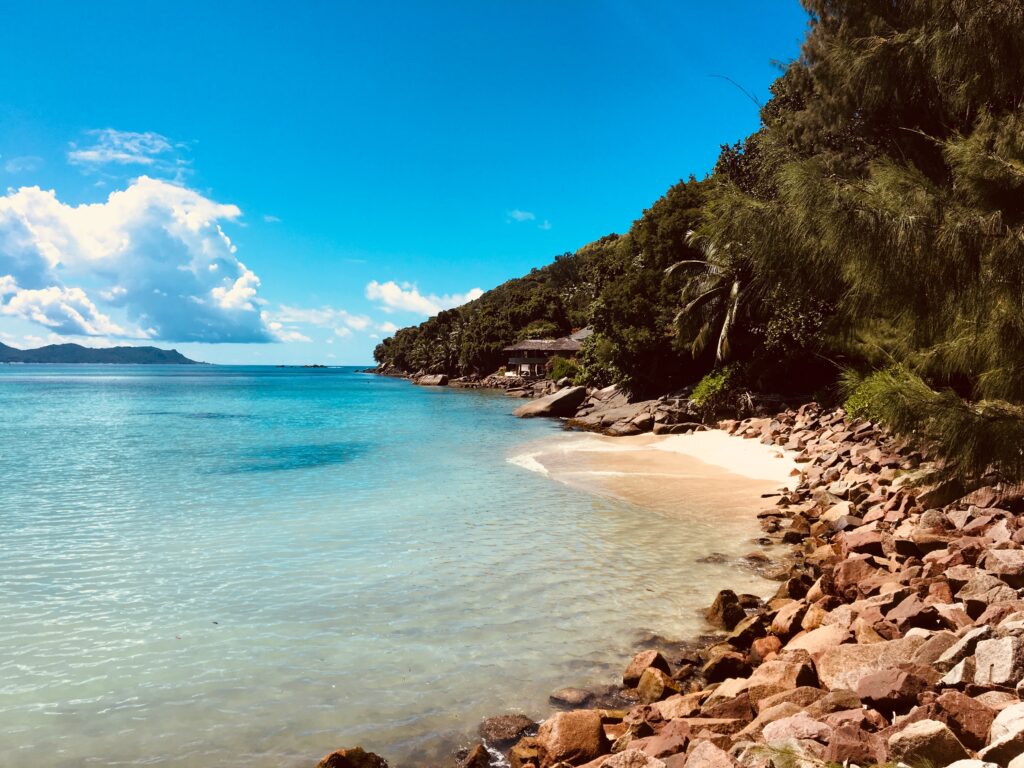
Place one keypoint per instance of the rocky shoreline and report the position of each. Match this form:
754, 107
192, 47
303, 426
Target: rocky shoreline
896, 635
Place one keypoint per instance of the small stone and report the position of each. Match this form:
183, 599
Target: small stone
799, 726
571, 697
706, 755
655, 685
642, 661
725, 611
355, 757
478, 757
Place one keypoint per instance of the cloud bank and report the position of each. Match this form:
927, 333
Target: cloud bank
155, 251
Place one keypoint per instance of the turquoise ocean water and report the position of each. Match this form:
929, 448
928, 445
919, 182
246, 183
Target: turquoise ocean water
232, 566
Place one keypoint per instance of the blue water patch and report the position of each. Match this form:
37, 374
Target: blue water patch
245, 566
279, 458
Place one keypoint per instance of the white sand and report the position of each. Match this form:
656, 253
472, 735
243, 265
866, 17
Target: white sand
706, 474
740, 456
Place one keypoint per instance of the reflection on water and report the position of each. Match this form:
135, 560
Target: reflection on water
342, 560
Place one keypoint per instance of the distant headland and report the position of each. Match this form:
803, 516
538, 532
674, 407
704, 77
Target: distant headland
76, 353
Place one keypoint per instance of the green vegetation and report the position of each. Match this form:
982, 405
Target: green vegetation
874, 223
561, 368
713, 392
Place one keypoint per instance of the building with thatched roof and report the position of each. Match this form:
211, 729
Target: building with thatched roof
530, 356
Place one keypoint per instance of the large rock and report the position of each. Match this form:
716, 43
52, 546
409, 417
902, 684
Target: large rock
432, 380
999, 662
927, 742
571, 737
969, 719
561, 403
844, 665
504, 730
1008, 722
356, 757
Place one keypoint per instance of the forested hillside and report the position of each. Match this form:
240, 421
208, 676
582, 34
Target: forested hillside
866, 243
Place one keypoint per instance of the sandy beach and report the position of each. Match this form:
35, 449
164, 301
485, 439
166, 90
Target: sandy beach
705, 475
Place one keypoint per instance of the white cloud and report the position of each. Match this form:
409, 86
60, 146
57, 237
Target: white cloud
65, 310
387, 327
271, 219
517, 215
155, 250
24, 164
342, 332
122, 148
7, 285
281, 333
407, 297
322, 317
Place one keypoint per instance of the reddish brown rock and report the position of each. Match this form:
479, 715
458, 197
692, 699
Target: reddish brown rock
355, 757
781, 674
852, 574
969, 719
571, 737
641, 662
852, 744
844, 665
503, 730
725, 611
765, 648
525, 753
671, 739
724, 666
733, 707
926, 742
803, 696
655, 685
800, 726
704, 754
788, 618
477, 757
915, 612
891, 690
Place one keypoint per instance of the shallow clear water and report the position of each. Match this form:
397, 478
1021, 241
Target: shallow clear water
253, 566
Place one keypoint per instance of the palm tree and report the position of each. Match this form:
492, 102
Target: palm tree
713, 297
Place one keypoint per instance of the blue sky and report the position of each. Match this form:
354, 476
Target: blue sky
261, 182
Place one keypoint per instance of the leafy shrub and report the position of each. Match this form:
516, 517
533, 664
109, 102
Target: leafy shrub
560, 368
713, 392
595, 362
972, 438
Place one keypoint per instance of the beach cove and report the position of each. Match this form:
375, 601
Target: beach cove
251, 566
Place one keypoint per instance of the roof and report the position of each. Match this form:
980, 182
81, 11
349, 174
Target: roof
564, 344
571, 343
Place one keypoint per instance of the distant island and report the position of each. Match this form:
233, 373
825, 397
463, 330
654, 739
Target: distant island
76, 353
